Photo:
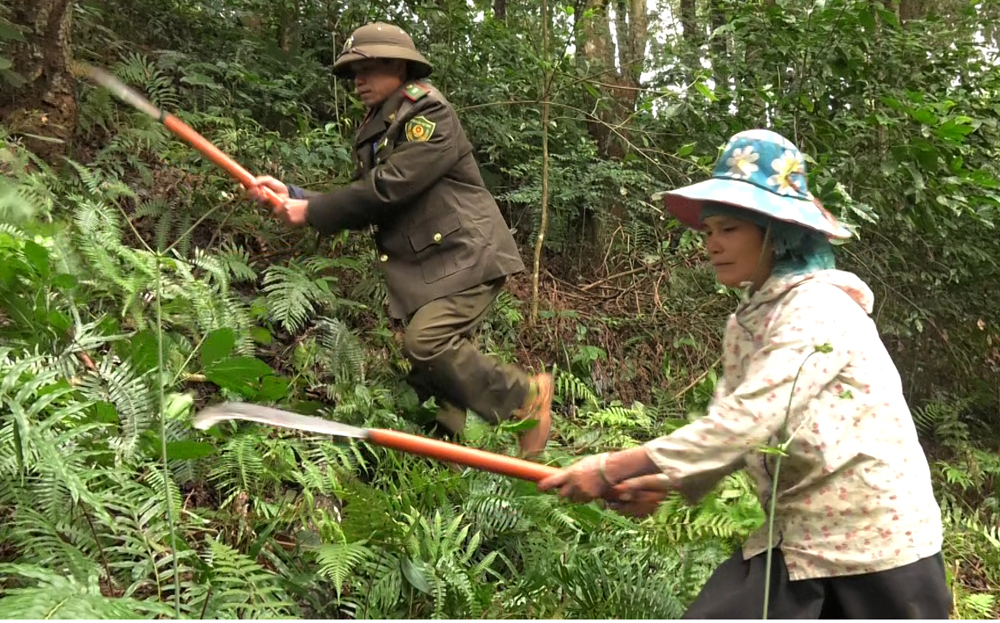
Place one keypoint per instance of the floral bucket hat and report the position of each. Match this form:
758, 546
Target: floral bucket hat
759, 170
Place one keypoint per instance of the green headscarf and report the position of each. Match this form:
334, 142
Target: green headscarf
797, 250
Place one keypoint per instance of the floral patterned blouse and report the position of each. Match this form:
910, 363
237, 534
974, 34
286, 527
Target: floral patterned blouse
854, 491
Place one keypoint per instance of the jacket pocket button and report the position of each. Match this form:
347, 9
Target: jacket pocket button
384, 258
437, 237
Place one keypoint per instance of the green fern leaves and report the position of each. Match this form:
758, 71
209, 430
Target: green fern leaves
237, 587
52, 595
298, 291
337, 562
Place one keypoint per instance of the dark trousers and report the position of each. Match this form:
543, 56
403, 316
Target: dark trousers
736, 591
446, 364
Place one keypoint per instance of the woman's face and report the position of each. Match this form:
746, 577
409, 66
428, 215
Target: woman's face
737, 251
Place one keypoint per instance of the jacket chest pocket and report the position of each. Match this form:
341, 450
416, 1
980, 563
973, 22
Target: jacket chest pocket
440, 247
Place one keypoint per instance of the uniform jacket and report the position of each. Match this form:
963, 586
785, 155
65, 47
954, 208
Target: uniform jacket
854, 492
417, 185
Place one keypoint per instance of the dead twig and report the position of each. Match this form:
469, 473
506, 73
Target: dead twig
656, 292
611, 243
698, 379
87, 361
626, 273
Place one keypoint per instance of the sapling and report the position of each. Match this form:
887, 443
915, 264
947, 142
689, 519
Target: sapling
782, 450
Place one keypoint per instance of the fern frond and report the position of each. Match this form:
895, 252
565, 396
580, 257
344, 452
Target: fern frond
386, 583
240, 466
336, 562
237, 261
136, 70
962, 522
571, 389
132, 396
618, 416
491, 506
619, 582
238, 587
90, 180
342, 350
56, 543
977, 605
291, 296
47, 594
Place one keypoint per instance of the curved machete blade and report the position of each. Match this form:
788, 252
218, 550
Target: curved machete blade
122, 92
274, 417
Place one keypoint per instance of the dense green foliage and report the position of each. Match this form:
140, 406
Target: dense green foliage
137, 284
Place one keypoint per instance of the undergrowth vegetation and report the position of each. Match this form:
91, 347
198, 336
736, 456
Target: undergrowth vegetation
112, 498
138, 284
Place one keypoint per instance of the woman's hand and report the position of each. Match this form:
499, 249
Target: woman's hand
641, 496
642, 486
630, 472
637, 509
580, 482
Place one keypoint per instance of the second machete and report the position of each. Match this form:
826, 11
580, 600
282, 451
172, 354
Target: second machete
405, 442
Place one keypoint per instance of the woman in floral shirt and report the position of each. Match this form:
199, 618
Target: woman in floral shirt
857, 531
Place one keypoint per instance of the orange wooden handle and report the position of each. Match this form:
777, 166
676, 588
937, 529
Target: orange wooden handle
454, 453
481, 459
216, 155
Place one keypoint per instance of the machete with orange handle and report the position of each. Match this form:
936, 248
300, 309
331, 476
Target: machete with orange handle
405, 442
181, 130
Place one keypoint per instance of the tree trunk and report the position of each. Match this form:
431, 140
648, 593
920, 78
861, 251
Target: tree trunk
45, 104
719, 49
595, 48
633, 32
288, 16
618, 85
912, 9
500, 10
540, 238
689, 22
691, 39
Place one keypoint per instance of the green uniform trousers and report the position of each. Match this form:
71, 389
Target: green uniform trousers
446, 364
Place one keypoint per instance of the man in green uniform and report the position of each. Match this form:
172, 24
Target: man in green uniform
442, 243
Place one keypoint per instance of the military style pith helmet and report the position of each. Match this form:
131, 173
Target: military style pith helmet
380, 40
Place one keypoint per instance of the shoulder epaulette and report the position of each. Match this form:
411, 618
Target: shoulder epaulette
415, 91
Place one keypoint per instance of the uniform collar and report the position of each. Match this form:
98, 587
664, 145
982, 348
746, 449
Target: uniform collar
379, 118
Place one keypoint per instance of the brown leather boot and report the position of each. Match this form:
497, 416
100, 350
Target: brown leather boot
452, 418
538, 406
